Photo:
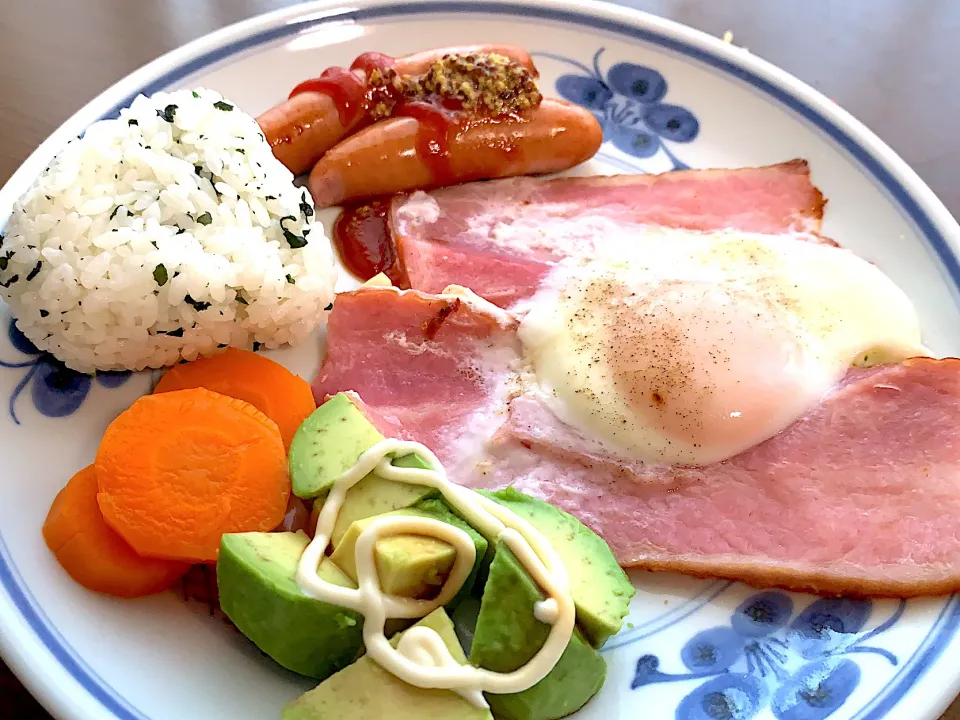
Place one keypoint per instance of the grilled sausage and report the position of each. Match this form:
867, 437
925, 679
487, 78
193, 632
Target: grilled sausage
309, 123
421, 152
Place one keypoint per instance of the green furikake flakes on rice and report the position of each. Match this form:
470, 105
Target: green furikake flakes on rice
164, 235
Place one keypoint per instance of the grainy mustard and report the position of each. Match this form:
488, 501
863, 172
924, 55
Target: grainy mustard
490, 84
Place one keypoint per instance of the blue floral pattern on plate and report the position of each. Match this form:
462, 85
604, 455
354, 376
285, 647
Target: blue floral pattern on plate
56, 390
798, 666
628, 100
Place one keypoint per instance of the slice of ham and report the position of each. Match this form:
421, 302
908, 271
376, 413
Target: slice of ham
426, 366
860, 496
500, 238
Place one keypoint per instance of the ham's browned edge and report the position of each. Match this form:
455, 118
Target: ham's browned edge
802, 579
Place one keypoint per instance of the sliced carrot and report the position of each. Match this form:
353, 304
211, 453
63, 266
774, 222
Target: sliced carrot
282, 396
93, 554
179, 469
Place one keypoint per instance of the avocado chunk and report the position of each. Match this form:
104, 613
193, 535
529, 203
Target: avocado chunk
256, 574
375, 495
437, 507
507, 636
413, 566
365, 691
327, 444
601, 589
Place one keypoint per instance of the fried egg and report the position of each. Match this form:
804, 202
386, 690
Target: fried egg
688, 348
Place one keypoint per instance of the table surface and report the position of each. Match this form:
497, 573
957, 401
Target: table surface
890, 62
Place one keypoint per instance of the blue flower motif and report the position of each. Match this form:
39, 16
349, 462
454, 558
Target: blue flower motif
628, 102
816, 690
798, 666
56, 390
826, 623
729, 697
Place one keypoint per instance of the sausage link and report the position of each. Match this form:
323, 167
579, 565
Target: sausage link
391, 156
301, 129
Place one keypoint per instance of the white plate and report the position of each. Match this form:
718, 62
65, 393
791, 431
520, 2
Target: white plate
694, 650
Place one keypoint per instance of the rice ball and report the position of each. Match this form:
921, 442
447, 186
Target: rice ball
163, 235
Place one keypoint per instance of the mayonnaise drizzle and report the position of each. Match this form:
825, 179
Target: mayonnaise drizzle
421, 658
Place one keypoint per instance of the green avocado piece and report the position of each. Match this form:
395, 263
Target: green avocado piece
600, 587
365, 691
507, 636
375, 495
413, 566
437, 507
327, 444
256, 575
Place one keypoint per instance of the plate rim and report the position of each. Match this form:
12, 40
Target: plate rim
24, 646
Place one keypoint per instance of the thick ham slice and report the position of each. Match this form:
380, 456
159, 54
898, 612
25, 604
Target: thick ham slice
859, 496
427, 366
501, 237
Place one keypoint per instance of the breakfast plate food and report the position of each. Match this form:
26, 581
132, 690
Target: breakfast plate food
477, 360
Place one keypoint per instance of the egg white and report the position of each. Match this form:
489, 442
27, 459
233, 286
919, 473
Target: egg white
688, 348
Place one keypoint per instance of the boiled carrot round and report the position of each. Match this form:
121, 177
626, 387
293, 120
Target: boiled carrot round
93, 554
178, 469
278, 393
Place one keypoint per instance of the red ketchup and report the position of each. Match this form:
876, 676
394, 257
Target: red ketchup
364, 242
352, 95
348, 92
438, 126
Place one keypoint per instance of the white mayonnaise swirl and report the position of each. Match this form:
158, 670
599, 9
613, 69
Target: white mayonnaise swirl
421, 658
